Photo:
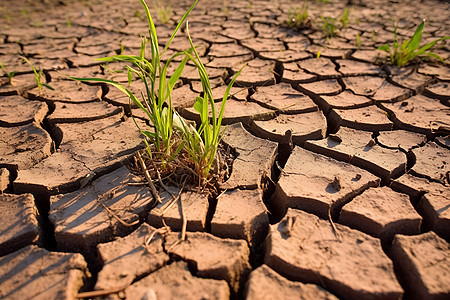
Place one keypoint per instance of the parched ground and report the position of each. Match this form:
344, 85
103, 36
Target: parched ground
339, 188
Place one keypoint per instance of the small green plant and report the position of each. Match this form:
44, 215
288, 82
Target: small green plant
24, 13
163, 12
68, 22
344, 18
358, 40
225, 7
403, 52
38, 76
331, 26
299, 17
9, 74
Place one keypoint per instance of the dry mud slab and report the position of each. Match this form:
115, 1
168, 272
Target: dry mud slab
339, 187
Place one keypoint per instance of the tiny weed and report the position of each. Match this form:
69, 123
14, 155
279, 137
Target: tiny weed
403, 52
358, 40
68, 22
9, 74
299, 17
38, 75
225, 7
24, 13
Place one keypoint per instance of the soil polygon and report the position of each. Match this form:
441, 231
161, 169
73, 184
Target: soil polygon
432, 161
255, 157
194, 204
67, 91
35, 273
4, 179
302, 126
284, 56
357, 68
263, 45
22, 147
381, 212
364, 85
241, 214
345, 100
19, 227
323, 67
264, 283
419, 113
71, 113
318, 184
235, 111
402, 139
358, 148
423, 262
176, 282
257, 72
283, 98
292, 73
366, 272
323, 87
129, 258
91, 215
369, 118
30, 111
212, 257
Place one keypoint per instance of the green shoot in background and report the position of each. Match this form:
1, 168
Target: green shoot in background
38, 75
299, 17
9, 74
403, 52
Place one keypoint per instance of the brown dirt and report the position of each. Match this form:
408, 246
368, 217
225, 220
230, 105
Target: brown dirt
339, 187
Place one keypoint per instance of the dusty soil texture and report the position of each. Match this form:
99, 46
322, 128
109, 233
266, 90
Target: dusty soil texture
339, 186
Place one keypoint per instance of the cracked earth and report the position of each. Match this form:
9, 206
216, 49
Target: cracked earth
339, 189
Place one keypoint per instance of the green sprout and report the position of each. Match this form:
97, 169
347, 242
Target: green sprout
68, 22
403, 52
330, 25
344, 18
358, 40
299, 17
9, 74
38, 76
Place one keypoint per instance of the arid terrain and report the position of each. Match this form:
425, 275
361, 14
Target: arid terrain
339, 187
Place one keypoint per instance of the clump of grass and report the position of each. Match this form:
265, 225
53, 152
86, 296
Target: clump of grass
173, 141
298, 17
38, 76
401, 53
9, 74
